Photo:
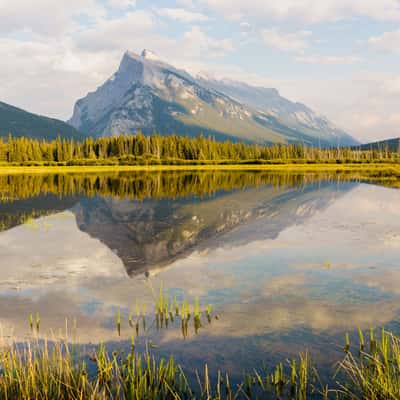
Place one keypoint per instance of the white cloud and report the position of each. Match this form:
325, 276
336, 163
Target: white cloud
121, 4
245, 28
181, 15
47, 78
329, 60
388, 41
197, 43
43, 17
118, 33
297, 42
391, 85
309, 11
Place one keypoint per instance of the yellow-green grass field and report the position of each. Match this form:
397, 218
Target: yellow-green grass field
386, 168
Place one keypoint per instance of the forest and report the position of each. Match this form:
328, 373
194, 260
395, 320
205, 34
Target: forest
175, 150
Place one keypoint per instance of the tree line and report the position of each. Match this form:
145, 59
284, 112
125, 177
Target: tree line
173, 149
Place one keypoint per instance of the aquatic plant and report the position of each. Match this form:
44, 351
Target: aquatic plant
63, 369
50, 371
372, 374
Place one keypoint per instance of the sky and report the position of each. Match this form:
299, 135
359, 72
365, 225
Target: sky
340, 57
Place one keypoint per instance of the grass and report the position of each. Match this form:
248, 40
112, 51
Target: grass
372, 374
389, 168
55, 371
61, 369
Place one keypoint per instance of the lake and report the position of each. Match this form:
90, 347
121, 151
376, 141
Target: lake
289, 262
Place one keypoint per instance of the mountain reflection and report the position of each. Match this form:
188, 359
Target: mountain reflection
151, 234
152, 219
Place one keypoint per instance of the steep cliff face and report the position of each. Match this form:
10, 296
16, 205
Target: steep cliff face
147, 94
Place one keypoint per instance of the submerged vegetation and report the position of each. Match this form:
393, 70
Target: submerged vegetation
177, 150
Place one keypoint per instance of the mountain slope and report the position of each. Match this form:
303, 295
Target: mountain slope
296, 116
147, 94
22, 123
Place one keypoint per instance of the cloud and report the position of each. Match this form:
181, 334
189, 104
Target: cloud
329, 60
296, 42
54, 67
198, 42
75, 63
306, 11
118, 33
34, 17
388, 41
181, 15
121, 4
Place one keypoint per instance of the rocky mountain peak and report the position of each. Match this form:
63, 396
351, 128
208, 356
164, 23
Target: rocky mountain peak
150, 55
149, 94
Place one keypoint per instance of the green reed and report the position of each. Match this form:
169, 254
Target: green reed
374, 372
59, 369
50, 371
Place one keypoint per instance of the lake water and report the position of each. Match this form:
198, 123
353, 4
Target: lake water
288, 262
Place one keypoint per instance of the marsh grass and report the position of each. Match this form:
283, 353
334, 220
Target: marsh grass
63, 369
52, 370
374, 371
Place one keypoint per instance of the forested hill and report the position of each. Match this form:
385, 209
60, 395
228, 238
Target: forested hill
20, 123
390, 144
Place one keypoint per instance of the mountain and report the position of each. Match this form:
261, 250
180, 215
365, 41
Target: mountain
391, 144
22, 123
295, 116
148, 94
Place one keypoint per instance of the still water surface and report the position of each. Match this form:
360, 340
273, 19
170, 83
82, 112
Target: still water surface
288, 262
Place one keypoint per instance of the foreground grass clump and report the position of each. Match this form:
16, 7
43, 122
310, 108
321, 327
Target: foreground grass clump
372, 374
53, 371
56, 370
64, 370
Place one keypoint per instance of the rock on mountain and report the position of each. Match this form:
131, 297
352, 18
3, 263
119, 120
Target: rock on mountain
148, 94
22, 123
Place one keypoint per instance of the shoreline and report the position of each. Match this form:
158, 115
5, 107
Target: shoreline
384, 167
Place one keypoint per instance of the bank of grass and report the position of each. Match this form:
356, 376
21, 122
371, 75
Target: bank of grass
388, 169
61, 370
41, 370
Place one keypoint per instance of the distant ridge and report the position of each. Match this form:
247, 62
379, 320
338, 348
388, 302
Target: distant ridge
18, 123
148, 94
391, 144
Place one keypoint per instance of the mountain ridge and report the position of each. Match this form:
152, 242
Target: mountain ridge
147, 94
19, 122
390, 144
